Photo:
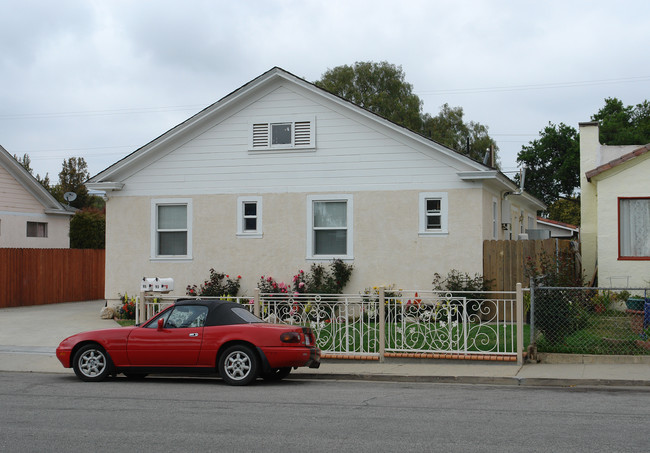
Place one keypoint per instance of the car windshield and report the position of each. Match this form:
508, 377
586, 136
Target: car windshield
245, 314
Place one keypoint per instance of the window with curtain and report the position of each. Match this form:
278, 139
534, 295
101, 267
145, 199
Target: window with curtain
36, 229
171, 228
634, 228
330, 227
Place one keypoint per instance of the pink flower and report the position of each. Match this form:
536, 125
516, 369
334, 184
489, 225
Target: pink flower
301, 285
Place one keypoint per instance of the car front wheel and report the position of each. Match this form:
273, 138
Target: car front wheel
91, 363
238, 365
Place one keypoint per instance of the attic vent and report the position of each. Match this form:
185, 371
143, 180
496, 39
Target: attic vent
302, 134
283, 135
260, 135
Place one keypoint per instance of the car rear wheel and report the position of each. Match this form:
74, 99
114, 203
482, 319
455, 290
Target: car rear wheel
238, 365
91, 363
277, 374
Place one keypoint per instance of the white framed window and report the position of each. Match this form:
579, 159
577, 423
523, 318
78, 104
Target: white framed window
283, 134
249, 217
434, 214
634, 228
36, 229
330, 227
171, 228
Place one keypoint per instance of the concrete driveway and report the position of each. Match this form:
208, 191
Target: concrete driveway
29, 335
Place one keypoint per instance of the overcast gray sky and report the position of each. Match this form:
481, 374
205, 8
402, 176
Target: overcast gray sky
99, 79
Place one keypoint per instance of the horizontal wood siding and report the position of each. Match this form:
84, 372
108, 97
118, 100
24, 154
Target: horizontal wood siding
49, 276
14, 197
352, 153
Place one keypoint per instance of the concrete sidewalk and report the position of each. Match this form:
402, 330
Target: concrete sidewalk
30, 335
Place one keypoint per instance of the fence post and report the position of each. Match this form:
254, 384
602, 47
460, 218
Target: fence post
382, 323
532, 310
256, 302
520, 325
140, 315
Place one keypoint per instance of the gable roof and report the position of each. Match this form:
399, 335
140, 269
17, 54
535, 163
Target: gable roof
111, 178
31, 185
618, 161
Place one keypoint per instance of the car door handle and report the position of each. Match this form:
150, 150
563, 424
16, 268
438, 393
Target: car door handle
194, 335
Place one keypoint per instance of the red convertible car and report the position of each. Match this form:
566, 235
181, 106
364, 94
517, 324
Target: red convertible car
193, 336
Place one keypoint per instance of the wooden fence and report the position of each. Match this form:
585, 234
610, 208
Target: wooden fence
504, 262
50, 276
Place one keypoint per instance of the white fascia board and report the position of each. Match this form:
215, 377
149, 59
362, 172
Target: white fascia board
104, 186
59, 212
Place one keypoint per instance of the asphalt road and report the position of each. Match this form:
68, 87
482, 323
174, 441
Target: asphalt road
57, 412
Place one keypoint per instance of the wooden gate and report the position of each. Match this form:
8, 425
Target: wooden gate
49, 276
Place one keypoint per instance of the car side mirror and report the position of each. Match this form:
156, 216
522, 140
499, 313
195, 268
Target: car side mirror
161, 323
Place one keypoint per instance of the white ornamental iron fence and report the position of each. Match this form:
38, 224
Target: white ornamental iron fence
436, 324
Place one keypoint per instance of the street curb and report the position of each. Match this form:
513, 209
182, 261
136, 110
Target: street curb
482, 380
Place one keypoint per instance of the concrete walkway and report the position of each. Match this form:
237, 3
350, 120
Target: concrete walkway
30, 335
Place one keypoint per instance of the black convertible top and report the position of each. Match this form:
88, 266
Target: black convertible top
220, 312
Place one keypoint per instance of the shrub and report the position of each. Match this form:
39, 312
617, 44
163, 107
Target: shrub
268, 285
463, 283
88, 229
320, 280
558, 314
218, 285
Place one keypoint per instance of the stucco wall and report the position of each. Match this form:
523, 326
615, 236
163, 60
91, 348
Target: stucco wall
387, 247
13, 230
628, 180
589, 148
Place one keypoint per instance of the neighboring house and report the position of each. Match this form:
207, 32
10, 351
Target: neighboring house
30, 217
557, 229
615, 210
281, 174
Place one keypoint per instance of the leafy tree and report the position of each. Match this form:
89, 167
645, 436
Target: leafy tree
26, 161
71, 179
88, 229
565, 209
449, 129
382, 89
378, 87
553, 163
620, 125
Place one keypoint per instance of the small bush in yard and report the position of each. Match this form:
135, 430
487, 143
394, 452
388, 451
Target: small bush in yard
463, 283
558, 314
218, 285
127, 307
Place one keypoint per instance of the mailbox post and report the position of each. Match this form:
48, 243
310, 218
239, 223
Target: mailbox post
151, 285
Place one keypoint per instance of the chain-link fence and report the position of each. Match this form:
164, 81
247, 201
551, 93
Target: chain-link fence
590, 320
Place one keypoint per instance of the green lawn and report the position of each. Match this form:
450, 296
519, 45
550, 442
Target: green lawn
608, 334
363, 337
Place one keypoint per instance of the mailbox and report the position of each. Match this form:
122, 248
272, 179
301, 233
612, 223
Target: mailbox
163, 285
147, 284
157, 284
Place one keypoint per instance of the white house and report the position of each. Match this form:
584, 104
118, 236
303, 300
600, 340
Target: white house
615, 211
281, 174
556, 229
30, 217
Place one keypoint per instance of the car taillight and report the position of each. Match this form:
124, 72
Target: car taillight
290, 337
